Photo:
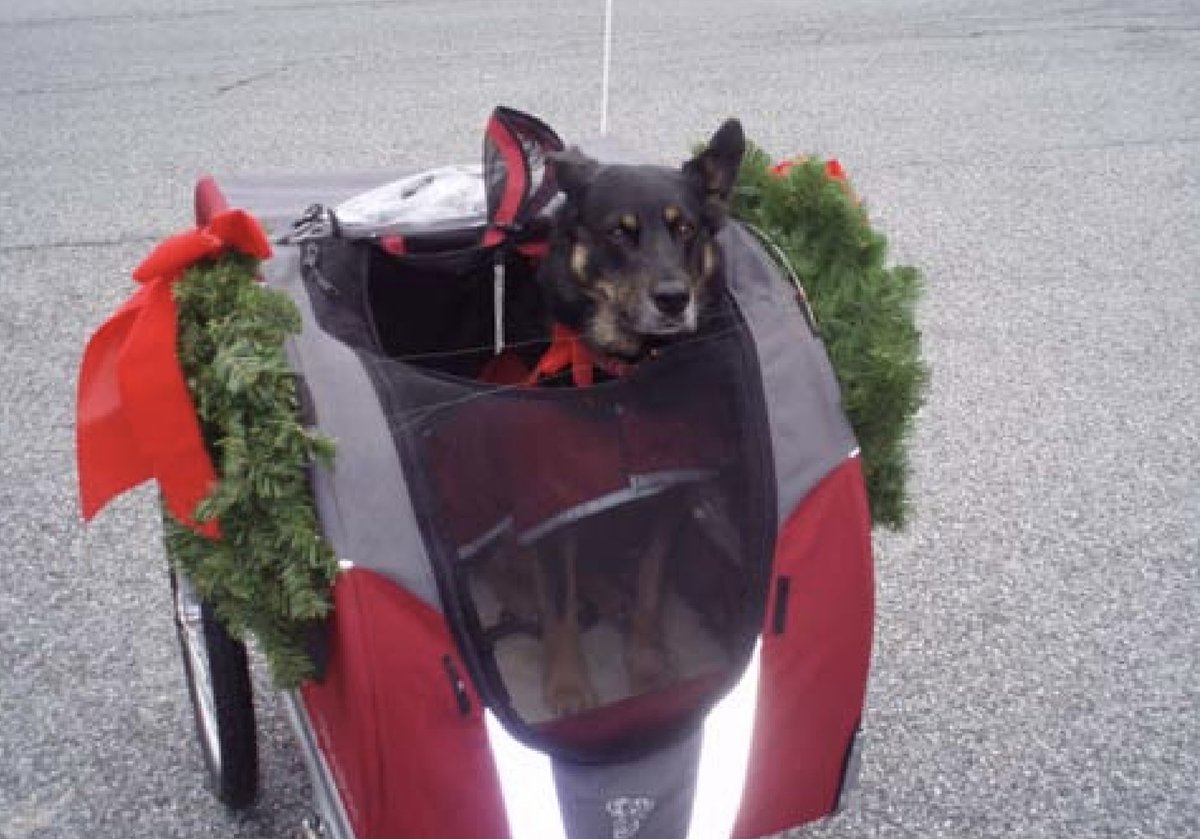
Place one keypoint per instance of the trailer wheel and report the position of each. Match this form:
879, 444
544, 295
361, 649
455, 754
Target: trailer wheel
218, 679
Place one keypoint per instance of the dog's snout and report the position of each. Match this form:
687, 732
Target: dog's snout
672, 301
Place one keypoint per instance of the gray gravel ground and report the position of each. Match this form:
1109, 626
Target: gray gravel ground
1036, 668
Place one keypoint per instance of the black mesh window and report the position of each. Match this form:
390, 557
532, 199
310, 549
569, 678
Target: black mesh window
603, 551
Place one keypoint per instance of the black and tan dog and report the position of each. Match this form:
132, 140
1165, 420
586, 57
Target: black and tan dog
633, 256
633, 264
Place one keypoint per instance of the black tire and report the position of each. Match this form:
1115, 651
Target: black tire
218, 679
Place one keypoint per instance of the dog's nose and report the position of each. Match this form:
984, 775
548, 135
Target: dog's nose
672, 302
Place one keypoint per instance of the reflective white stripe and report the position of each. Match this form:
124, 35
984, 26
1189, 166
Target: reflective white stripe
527, 784
724, 755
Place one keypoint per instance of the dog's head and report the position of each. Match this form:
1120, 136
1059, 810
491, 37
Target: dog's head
634, 258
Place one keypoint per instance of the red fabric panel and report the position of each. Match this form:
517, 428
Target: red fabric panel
504, 369
406, 760
814, 675
512, 452
547, 435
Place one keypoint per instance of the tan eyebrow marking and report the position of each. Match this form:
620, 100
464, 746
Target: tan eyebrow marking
672, 214
579, 260
709, 264
630, 222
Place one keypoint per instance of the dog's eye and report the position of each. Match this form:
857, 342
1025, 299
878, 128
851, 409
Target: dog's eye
685, 229
624, 229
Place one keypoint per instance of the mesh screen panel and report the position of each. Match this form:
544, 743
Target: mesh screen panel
603, 550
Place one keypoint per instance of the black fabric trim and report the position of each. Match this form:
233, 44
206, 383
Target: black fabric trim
845, 780
783, 587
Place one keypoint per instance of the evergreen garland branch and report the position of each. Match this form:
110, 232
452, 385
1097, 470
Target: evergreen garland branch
865, 311
271, 572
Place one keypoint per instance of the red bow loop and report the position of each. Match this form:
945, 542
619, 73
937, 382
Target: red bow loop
833, 170
229, 229
242, 232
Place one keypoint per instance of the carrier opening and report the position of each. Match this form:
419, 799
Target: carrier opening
437, 309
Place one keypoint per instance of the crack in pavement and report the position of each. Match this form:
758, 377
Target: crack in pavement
67, 244
150, 17
255, 77
181, 78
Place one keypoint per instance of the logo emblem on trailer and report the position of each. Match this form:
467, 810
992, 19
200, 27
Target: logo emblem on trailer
627, 814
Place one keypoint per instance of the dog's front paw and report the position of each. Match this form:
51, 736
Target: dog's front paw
566, 685
568, 690
648, 665
566, 695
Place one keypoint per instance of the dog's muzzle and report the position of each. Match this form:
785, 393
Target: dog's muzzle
667, 313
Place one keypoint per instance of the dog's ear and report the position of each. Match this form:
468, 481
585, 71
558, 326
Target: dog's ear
715, 169
573, 170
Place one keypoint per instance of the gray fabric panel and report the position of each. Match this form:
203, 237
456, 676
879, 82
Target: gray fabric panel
809, 433
363, 501
646, 798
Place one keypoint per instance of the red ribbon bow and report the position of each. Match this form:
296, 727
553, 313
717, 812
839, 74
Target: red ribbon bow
135, 419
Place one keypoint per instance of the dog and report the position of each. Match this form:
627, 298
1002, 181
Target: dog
633, 265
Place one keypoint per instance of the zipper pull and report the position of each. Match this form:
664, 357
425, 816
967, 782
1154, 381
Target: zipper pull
310, 268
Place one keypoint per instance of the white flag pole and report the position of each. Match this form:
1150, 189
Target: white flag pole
608, 14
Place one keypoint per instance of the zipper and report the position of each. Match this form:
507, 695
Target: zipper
310, 268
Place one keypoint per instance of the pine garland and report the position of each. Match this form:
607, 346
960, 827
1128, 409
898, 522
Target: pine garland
271, 572
864, 309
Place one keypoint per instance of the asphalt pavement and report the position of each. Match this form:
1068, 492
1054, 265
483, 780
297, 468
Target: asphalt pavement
1037, 663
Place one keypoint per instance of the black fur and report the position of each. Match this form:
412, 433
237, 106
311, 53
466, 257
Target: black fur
633, 258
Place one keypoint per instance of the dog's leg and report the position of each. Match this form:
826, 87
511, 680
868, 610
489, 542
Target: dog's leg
711, 513
509, 574
565, 680
645, 654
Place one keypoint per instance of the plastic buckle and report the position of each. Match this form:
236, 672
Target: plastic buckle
317, 222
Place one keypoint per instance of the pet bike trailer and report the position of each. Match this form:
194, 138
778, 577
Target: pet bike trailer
728, 455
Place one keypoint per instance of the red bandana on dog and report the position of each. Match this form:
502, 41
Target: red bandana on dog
567, 349
135, 419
